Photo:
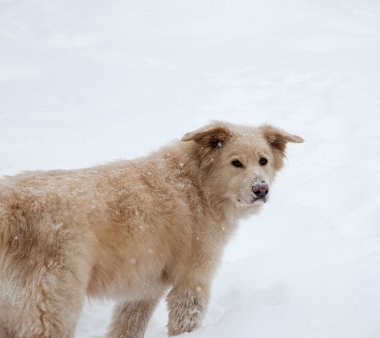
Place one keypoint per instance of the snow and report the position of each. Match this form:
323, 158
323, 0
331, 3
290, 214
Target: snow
84, 82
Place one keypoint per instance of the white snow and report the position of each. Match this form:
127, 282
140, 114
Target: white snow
84, 82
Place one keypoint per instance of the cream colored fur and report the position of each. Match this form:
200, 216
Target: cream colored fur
128, 230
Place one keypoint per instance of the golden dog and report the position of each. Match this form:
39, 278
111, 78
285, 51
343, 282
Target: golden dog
129, 230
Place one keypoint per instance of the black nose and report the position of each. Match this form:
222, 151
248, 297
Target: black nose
260, 189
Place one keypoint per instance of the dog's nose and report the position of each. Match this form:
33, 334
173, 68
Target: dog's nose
260, 189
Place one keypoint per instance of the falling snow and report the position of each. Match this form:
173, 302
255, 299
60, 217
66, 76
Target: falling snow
86, 82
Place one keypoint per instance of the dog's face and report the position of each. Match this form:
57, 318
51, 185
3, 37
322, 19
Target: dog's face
238, 164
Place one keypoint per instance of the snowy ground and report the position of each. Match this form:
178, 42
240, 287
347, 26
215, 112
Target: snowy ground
84, 82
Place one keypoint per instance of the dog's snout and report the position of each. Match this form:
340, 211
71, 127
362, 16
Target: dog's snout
260, 189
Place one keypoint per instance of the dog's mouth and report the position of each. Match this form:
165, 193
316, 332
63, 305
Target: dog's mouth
263, 199
252, 201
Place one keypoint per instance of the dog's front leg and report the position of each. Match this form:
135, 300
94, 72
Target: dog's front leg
187, 304
131, 318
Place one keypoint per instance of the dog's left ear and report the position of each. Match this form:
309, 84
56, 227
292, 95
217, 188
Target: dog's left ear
278, 139
214, 135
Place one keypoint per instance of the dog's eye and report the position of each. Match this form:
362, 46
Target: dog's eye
237, 164
263, 161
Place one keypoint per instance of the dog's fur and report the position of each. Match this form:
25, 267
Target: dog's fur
128, 230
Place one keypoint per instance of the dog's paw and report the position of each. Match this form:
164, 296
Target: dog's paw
186, 311
188, 323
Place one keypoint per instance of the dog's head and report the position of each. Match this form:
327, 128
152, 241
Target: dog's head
238, 163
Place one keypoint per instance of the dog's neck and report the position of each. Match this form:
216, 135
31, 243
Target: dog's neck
222, 209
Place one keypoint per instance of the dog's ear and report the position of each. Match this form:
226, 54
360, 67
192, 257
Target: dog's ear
214, 135
278, 139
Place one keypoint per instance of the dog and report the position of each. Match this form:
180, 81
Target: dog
130, 230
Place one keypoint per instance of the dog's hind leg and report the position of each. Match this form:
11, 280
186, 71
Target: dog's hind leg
47, 306
43, 287
131, 319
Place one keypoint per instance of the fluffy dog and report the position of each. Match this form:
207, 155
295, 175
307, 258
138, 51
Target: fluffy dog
129, 230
